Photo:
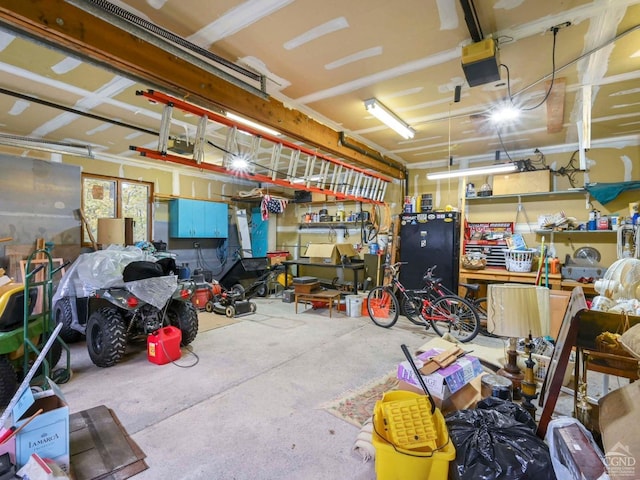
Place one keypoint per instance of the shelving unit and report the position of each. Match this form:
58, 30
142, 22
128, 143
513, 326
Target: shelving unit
528, 207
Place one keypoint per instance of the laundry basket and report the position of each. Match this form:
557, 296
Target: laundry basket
518, 260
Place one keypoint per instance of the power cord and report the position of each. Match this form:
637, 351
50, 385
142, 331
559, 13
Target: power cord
187, 348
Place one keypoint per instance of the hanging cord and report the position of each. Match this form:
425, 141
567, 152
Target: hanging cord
502, 143
577, 59
553, 74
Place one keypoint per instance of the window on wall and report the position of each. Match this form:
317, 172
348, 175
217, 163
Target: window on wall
108, 197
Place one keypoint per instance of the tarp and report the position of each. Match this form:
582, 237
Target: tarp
607, 192
103, 269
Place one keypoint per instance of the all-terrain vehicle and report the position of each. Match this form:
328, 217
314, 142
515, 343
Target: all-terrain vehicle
111, 308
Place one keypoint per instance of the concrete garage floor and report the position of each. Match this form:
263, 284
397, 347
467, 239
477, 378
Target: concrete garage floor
252, 406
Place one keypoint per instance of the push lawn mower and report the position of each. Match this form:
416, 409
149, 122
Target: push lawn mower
230, 303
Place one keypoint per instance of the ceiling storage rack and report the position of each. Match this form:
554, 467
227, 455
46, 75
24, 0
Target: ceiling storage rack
266, 158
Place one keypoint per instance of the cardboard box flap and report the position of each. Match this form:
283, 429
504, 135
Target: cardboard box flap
619, 419
23, 404
27, 400
320, 250
346, 249
329, 253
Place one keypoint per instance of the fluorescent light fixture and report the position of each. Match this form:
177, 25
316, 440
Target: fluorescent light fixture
64, 148
252, 124
389, 118
469, 172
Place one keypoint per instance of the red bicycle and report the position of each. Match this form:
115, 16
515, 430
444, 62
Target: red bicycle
434, 305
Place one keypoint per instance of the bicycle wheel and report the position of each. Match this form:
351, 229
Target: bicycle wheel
383, 307
480, 305
456, 316
411, 306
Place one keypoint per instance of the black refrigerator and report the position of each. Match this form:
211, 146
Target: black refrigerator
426, 239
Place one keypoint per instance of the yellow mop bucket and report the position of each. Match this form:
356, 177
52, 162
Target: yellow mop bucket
410, 435
410, 441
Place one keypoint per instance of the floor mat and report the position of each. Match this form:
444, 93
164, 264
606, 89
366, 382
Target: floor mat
101, 449
356, 406
209, 321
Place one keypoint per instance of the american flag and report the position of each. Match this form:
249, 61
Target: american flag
272, 205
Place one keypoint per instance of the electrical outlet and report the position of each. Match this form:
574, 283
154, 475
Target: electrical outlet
196, 245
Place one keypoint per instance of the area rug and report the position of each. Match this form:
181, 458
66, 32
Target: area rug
356, 406
209, 321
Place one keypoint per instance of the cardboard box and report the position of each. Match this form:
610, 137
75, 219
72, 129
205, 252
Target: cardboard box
465, 398
446, 381
522, 182
329, 253
619, 417
48, 433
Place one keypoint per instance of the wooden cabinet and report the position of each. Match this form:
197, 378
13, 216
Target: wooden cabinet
198, 219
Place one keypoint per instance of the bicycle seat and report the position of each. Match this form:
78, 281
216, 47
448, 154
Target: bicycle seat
432, 279
472, 287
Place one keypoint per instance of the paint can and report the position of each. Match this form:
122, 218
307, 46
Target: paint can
496, 386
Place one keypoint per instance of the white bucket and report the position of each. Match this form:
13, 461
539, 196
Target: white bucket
354, 305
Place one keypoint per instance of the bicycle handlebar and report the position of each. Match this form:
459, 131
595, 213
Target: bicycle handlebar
394, 267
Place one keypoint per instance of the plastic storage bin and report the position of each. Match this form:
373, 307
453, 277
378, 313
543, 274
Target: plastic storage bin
427, 462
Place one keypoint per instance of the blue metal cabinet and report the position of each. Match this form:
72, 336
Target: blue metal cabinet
197, 219
217, 216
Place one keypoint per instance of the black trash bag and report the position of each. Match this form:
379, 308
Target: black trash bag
497, 440
510, 409
141, 270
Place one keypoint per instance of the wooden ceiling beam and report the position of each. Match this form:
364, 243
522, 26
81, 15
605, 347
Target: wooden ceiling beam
63, 25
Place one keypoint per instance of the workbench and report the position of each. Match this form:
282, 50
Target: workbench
355, 267
331, 297
500, 275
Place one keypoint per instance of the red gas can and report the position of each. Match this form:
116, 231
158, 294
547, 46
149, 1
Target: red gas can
163, 346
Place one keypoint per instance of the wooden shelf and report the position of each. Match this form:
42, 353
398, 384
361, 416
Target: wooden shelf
330, 225
566, 232
527, 196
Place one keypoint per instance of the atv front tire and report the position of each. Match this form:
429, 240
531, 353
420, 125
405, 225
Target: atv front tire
64, 314
8, 381
184, 316
106, 337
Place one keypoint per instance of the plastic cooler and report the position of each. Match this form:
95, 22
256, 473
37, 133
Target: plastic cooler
410, 441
